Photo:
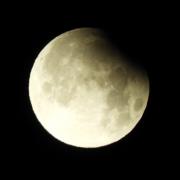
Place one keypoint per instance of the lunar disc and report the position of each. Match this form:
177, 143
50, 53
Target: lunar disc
84, 92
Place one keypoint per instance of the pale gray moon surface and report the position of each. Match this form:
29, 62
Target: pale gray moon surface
84, 92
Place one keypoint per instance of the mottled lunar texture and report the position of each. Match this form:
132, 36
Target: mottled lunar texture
84, 92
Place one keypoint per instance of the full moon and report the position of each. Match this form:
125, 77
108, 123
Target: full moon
84, 92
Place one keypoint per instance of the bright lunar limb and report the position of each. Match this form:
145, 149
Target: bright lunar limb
84, 92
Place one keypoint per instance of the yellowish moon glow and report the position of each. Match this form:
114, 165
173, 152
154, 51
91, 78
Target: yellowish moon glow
84, 92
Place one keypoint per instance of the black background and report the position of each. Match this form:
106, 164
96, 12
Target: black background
143, 34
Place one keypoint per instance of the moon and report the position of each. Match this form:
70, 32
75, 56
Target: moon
84, 92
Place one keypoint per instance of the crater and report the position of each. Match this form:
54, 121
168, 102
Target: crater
138, 104
47, 87
51, 63
117, 99
102, 83
113, 99
64, 95
118, 78
64, 99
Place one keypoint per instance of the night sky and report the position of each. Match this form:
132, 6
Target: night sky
139, 34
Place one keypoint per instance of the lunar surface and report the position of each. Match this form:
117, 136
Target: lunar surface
84, 92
